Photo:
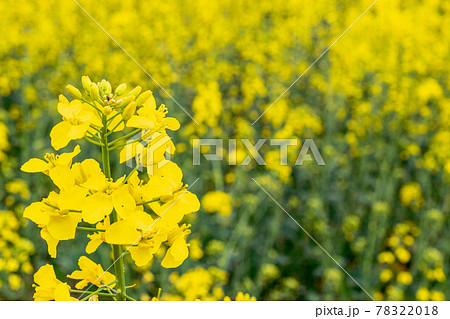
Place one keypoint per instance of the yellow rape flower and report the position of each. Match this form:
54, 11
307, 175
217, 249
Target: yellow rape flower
107, 194
36, 165
178, 250
403, 255
404, 278
437, 295
167, 184
141, 231
217, 201
48, 287
91, 273
149, 117
423, 294
58, 216
77, 116
241, 297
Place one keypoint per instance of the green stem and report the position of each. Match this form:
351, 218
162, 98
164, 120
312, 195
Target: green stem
114, 128
97, 129
93, 142
149, 201
125, 137
119, 268
129, 298
97, 292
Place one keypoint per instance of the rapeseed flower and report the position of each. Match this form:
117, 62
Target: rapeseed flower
48, 287
92, 273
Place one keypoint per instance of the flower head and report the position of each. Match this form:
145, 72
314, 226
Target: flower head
48, 287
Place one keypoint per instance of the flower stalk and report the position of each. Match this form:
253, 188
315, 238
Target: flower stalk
119, 267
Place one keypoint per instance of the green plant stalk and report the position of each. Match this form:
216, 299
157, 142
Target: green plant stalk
119, 268
97, 292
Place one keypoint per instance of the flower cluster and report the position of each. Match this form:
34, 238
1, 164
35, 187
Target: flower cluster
127, 211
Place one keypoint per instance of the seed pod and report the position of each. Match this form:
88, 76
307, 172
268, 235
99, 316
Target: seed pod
86, 81
135, 91
74, 92
127, 100
94, 93
143, 97
120, 89
128, 112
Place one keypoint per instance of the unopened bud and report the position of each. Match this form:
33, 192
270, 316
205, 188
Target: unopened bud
74, 92
105, 86
86, 81
127, 100
135, 91
143, 97
128, 112
120, 89
94, 94
107, 110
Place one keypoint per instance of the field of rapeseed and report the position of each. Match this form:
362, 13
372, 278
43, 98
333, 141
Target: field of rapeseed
101, 196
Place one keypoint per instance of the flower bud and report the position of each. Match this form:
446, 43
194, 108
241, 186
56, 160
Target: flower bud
86, 81
120, 89
94, 92
108, 88
105, 87
135, 91
128, 112
127, 100
143, 97
107, 110
74, 92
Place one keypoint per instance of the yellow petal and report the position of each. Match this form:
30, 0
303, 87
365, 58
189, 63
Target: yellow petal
63, 227
96, 207
81, 284
51, 242
62, 177
72, 198
140, 122
95, 241
141, 255
60, 135
78, 131
66, 158
88, 172
38, 212
35, 165
123, 202
45, 276
176, 254
62, 292
172, 123
172, 173
67, 110
122, 232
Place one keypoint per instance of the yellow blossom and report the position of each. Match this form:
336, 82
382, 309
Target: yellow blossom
48, 287
91, 273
